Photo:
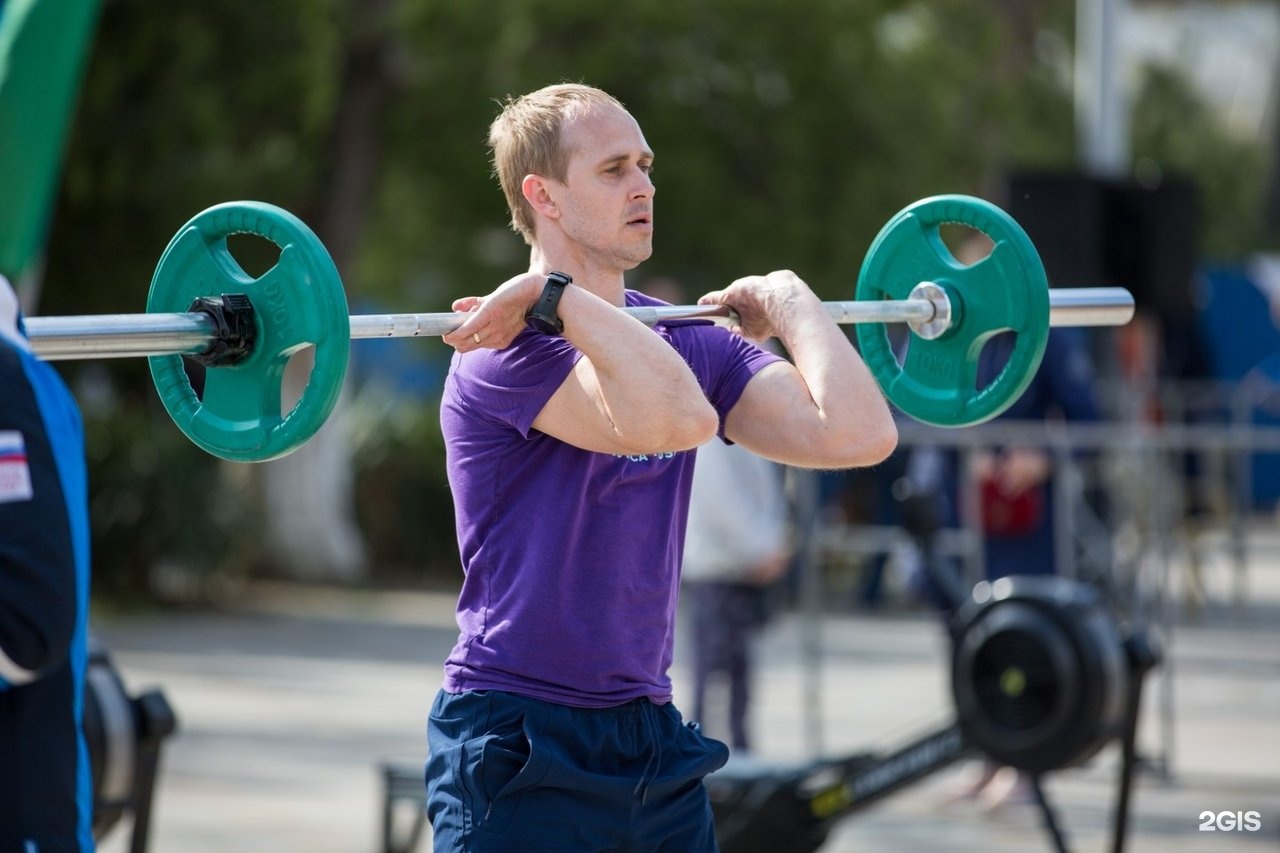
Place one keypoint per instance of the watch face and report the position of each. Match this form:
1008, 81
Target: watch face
543, 325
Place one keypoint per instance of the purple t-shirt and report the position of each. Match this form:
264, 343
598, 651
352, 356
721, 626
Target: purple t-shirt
571, 558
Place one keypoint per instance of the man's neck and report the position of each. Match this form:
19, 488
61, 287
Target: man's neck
608, 284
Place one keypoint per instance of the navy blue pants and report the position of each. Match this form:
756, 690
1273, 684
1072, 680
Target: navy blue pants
507, 772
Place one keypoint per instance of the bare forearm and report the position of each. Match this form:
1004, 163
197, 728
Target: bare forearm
823, 411
651, 397
845, 396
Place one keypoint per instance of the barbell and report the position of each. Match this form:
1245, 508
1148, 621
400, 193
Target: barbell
203, 305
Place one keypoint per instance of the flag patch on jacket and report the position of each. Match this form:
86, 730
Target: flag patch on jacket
15, 475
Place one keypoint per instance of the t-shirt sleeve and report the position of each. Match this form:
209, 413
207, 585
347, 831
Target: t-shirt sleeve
722, 361
511, 386
732, 362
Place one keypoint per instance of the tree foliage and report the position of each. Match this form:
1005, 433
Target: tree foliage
786, 134
1174, 131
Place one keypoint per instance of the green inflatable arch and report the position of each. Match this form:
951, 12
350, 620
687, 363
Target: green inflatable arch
43, 48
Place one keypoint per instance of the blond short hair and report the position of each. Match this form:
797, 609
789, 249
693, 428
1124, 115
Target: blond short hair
526, 140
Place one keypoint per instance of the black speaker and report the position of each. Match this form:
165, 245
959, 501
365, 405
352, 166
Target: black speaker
1105, 232
1160, 226
1065, 215
1108, 232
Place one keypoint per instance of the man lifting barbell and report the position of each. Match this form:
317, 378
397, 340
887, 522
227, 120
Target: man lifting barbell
570, 430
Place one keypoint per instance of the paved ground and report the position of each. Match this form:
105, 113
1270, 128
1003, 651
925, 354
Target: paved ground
289, 699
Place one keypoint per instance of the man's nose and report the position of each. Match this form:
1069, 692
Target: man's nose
643, 186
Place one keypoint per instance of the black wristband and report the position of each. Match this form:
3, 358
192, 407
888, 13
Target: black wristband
544, 316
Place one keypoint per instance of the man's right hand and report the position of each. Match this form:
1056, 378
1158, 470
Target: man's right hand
496, 319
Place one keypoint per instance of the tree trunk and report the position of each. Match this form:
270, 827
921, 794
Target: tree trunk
309, 495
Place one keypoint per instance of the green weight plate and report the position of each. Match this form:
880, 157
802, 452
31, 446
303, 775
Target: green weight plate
937, 382
298, 302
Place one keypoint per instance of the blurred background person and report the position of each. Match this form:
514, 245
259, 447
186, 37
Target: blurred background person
736, 547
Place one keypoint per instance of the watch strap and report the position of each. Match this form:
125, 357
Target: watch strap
544, 316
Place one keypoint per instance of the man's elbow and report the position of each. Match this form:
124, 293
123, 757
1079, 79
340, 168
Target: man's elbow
863, 447
703, 426
694, 427
882, 442
681, 429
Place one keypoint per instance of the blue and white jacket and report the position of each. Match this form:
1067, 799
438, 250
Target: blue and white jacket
46, 801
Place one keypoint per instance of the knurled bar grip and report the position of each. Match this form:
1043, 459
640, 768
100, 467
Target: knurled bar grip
133, 335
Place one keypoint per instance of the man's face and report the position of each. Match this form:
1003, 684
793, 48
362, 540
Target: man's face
606, 201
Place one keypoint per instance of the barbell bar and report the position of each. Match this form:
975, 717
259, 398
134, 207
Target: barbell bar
202, 304
188, 333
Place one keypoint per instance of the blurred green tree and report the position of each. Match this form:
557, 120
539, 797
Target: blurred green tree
786, 135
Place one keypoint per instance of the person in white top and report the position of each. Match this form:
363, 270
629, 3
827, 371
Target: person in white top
737, 544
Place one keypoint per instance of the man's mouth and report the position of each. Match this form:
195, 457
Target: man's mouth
642, 219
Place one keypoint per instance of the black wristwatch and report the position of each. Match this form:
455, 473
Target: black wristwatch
543, 316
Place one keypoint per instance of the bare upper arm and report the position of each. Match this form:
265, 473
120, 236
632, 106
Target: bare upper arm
777, 418
580, 413
576, 415
769, 412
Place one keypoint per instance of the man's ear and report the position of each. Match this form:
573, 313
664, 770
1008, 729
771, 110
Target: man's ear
537, 192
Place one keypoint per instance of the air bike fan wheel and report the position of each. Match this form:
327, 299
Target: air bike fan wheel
1040, 673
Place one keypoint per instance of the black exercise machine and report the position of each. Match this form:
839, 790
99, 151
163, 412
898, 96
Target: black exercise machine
1043, 675
124, 734
1042, 678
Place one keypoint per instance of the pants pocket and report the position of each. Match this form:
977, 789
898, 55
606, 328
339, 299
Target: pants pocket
509, 763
